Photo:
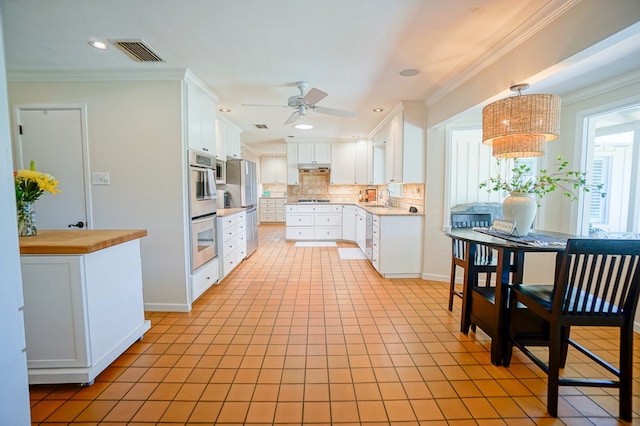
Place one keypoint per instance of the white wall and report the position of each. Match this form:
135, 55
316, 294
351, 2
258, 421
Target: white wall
135, 133
14, 391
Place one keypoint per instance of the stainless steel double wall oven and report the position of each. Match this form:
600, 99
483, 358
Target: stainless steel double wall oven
202, 208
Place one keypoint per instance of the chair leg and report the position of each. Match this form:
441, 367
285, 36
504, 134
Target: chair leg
452, 285
565, 346
555, 355
626, 372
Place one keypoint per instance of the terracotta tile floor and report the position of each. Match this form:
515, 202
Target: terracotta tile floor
296, 335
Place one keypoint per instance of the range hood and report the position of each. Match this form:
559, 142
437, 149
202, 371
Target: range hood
314, 167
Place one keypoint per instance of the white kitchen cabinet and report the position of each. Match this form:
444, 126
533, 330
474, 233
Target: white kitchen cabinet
349, 222
81, 311
405, 147
201, 120
293, 174
342, 163
273, 169
361, 229
232, 237
205, 277
314, 222
363, 162
314, 153
397, 245
221, 140
272, 209
230, 134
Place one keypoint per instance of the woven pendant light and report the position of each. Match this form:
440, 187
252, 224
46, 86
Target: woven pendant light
519, 126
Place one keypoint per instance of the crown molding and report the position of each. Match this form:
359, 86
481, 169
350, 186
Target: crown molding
98, 75
603, 87
534, 24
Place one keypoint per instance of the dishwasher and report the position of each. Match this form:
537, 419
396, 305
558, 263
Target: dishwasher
369, 237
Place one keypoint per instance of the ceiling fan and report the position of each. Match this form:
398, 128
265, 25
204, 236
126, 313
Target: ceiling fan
306, 101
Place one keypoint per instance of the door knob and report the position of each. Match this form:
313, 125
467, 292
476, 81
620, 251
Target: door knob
80, 225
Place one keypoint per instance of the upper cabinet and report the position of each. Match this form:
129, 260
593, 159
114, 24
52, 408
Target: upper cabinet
342, 162
351, 163
402, 135
293, 175
314, 153
363, 162
221, 140
273, 169
201, 122
230, 143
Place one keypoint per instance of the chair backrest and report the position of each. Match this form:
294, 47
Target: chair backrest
470, 220
599, 278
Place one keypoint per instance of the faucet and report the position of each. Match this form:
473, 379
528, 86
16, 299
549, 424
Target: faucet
387, 199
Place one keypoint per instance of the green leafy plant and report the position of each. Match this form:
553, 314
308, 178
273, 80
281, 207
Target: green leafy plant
547, 180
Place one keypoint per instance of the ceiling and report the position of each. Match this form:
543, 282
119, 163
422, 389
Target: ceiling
254, 51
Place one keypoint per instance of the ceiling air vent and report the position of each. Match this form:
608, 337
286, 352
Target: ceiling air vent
261, 126
137, 50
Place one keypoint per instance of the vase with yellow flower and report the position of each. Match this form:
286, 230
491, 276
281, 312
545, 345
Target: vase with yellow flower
30, 185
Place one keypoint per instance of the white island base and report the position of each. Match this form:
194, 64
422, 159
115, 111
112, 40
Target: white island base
81, 311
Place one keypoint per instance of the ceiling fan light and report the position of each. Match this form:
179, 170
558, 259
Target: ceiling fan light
303, 126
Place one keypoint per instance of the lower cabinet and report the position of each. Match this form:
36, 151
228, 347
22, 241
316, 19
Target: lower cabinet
81, 311
314, 222
232, 237
204, 278
272, 210
397, 246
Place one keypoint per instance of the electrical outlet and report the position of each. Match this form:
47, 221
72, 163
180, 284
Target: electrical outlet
101, 178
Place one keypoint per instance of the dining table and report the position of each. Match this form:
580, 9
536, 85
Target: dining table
487, 307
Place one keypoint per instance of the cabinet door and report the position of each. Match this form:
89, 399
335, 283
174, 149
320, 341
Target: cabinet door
209, 123
349, 223
200, 120
305, 153
221, 140
342, 162
363, 162
233, 145
293, 175
281, 169
322, 153
394, 150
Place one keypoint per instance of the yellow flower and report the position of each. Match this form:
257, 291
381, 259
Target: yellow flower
31, 184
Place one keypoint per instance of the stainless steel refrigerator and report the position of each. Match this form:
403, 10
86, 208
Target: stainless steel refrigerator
242, 185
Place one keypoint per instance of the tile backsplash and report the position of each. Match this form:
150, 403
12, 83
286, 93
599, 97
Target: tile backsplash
317, 186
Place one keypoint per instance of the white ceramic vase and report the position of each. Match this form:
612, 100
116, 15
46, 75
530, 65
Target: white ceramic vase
520, 208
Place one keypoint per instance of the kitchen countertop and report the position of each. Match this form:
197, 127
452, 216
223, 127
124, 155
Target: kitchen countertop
229, 211
76, 241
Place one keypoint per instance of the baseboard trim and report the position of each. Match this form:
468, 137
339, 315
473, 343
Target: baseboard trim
167, 307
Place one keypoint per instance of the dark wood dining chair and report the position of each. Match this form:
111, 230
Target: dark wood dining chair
597, 284
484, 260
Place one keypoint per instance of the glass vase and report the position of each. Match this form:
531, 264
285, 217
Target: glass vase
26, 219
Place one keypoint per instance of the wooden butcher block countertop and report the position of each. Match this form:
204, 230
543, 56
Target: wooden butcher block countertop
76, 242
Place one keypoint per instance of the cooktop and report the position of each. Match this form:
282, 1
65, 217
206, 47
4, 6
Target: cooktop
313, 200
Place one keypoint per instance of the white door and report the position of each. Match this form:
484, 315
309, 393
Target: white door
53, 138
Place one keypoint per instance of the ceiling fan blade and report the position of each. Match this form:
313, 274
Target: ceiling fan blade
266, 105
334, 111
293, 117
313, 96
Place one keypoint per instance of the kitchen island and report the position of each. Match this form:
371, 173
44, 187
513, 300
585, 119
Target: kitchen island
83, 302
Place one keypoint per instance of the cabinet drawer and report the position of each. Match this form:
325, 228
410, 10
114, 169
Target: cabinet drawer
267, 202
300, 233
298, 219
328, 219
328, 233
229, 221
337, 208
280, 217
291, 208
267, 217
280, 202
314, 209
376, 220
268, 210
228, 234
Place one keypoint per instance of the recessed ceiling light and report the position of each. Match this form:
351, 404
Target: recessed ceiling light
224, 110
303, 126
378, 109
291, 136
409, 72
98, 44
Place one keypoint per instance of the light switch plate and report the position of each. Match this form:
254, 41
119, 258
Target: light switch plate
101, 178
